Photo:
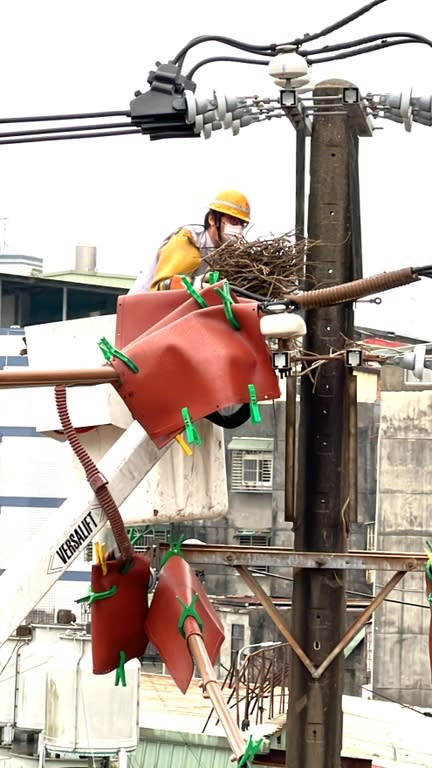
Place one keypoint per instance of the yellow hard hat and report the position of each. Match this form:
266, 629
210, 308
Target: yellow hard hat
233, 203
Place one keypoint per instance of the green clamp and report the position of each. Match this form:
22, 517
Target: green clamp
429, 597
251, 750
120, 675
109, 352
194, 293
135, 535
93, 596
213, 277
254, 407
174, 548
429, 560
188, 610
192, 435
227, 300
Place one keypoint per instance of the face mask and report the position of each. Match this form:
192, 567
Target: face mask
232, 232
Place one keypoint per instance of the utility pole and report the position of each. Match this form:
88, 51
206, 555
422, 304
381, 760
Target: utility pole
314, 728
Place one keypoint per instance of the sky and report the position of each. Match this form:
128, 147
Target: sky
125, 194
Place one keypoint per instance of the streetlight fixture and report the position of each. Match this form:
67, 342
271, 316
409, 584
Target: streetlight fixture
265, 644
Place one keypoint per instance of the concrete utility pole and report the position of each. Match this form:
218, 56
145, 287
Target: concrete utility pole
314, 729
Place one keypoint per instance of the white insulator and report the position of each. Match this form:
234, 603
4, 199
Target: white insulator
282, 325
282, 83
199, 124
287, 65
191, 107
299, 82
221, 108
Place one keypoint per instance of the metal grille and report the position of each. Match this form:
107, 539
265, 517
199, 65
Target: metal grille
255, 539
251, 471
150, 536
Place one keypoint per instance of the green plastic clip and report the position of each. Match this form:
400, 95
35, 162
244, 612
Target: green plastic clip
135, 535
194, 293
251, 750
93, 596
120, 675
127, 565
254, 407
188, 610
227, 300
429, 597
213, 277
174, 548
192, 435
109, 352
429, 561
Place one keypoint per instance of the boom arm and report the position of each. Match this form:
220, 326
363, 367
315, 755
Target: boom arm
38, 565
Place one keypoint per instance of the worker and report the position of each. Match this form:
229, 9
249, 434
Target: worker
184, 251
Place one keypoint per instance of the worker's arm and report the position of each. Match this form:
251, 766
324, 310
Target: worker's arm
179, 256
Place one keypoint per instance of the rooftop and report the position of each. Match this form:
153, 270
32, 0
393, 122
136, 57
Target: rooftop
102, 279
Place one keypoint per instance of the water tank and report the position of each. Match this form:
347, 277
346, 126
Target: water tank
87, 713
31, 679
85, 258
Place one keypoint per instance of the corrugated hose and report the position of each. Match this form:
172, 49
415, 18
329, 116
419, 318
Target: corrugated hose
95, 478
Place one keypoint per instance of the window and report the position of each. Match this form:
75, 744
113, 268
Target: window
147, 536
237, 640
255, 539
251, 464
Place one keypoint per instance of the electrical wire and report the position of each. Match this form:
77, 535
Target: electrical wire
404, 706
263, 50
348, 591
405, 36
337, 24
359, 51
71, 116
235, 59
97, 135
272, 49
64, 129
425, 271
15, 647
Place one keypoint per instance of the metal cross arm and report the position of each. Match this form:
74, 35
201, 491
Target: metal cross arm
352, 631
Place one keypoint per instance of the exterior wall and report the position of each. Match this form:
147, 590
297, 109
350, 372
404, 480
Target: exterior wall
401, 664
263, 511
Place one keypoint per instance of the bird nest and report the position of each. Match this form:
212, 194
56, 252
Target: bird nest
272, 268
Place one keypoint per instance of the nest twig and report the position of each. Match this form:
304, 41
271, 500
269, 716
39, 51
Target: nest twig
272, 268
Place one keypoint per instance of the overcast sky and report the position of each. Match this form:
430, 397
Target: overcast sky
124, 194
